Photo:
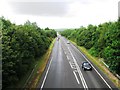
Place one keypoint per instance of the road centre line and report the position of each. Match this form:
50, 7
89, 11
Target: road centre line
67, 57
76, 77
65, 52
79, 72
75, 71
96, 71
71, 65
46, 74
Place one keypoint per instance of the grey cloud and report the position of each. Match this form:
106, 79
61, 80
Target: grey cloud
119, 9
40, 0
40, 8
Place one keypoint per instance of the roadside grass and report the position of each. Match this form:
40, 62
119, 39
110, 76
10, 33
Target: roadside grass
98, 63
40, 66
31, 79
23, 80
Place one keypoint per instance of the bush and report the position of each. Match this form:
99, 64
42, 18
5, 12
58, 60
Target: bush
21, 45
102, 41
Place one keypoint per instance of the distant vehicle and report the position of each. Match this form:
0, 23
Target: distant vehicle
68, 42
58, 38
86, 66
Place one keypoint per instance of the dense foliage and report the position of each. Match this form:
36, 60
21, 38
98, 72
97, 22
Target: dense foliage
21, 45
101, 41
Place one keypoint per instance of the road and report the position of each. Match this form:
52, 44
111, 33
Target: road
64, 70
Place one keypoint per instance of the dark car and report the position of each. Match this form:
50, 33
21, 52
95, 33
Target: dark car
86, 66
58, 38
68, 42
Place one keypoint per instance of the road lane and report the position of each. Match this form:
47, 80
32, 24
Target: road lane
92, 78
64, 70
60, 74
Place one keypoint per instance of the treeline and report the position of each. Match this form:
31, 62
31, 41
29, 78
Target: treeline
101, 41
21, 45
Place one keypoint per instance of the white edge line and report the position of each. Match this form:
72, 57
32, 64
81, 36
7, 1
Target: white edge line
98, 72
46, 74
76, 77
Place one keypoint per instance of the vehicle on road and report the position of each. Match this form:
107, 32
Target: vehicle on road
58, 38
68, 42
86, 66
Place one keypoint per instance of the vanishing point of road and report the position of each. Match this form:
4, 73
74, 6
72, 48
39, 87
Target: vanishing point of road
64, 70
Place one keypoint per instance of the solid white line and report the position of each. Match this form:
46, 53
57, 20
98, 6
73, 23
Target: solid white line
76, 77
46, 74
79, 72
97, 72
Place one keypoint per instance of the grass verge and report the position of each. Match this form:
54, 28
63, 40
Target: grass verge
40, 65
98, 63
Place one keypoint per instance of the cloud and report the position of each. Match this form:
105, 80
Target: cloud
119, 9
60, 13
40, 8
43, 7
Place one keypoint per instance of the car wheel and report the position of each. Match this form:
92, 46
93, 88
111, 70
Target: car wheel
84, 69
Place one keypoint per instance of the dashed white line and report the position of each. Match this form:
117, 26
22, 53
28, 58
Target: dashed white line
79, 72
76, 77
65, 52
67, 57
70, 65
75, 71
96, 71
46, 74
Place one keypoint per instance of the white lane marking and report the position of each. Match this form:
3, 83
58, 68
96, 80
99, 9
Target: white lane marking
67, 57
76, 77
74, 67
97, 71
46, 74
70, 65
79, 72
75, 71
99, 74
65, 52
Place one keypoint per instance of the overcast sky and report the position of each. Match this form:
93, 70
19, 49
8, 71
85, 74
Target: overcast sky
60, 13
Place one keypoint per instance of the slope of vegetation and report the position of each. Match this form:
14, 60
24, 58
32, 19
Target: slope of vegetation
101, 41
21, 45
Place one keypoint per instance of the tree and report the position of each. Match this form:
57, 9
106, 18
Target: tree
21, 45
101, 41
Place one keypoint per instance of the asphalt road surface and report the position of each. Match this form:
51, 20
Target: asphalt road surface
64, 70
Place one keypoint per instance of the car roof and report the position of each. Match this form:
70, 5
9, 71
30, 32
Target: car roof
85, 62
